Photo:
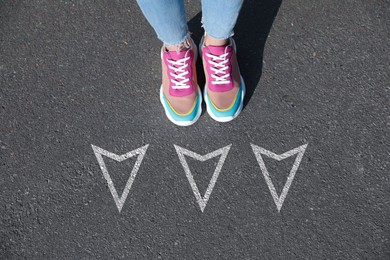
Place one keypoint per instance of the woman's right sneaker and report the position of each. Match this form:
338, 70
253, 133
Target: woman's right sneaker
179, 92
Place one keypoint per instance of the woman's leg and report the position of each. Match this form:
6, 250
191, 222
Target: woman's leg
179, 92
225, 89
219, 18
168, 19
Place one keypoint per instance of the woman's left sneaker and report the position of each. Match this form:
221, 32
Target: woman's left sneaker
225, 89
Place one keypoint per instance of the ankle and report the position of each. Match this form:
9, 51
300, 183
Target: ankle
182, 46
173, 47
208, 40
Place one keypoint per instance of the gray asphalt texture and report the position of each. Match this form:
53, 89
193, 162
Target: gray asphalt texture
76, 73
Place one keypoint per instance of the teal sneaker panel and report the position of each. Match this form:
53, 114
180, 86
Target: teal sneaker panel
228, 113
189, 117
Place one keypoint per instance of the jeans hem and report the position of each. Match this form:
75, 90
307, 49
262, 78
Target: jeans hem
231, 34
182, 40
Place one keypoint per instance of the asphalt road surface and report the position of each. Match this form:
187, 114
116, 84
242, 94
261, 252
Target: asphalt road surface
81, 74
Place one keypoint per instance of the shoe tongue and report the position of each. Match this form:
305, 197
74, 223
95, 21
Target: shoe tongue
174, 55
218, 50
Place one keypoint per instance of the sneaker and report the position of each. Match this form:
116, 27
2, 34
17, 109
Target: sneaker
225, 89
180, 94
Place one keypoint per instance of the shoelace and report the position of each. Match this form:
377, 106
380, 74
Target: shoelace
179, 79
220, 67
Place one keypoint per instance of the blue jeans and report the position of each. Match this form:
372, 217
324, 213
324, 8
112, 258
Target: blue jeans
168, 18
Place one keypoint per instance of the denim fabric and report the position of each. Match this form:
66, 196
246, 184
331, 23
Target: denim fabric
168, 18
219, 17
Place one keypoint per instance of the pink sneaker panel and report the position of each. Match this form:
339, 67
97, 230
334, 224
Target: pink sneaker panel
174, 55
218, 50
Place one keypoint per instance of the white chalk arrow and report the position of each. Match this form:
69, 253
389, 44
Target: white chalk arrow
258, 151
202, 201
99, 152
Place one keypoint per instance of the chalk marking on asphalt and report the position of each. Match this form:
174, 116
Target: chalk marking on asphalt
119, 158
258, 151
202, 201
